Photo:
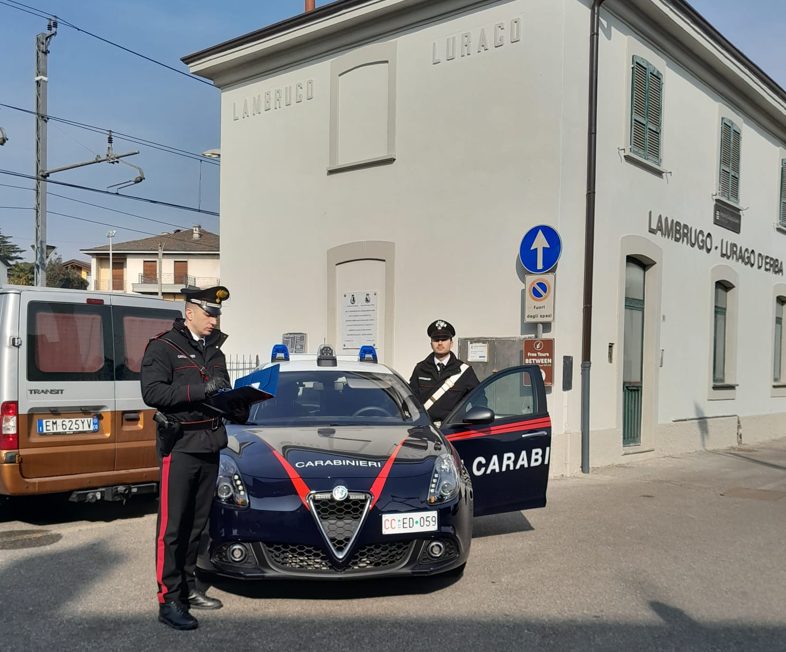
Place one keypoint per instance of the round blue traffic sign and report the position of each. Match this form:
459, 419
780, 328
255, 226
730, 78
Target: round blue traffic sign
540, 249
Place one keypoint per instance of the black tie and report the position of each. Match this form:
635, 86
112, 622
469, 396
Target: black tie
440, 367
201, 345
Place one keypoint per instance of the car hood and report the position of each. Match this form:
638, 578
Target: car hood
345, 451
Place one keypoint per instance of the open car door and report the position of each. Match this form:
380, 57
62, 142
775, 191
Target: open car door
502, 430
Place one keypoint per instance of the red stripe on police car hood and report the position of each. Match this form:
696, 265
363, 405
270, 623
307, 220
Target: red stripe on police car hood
527, 424
379, 483
302, 488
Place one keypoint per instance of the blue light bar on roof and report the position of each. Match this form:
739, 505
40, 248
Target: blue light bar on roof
280, 352
367, 354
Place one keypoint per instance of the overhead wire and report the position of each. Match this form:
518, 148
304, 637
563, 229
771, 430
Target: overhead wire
19, 6
157, 202
119, 135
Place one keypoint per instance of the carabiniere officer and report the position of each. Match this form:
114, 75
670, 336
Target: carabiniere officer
181, 369
441, 380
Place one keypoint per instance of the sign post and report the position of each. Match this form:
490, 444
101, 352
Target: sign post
539, 302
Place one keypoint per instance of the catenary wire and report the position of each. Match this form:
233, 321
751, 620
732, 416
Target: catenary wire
113, 194
118, 135
42, 14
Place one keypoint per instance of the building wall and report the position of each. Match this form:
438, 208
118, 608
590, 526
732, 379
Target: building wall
483, 147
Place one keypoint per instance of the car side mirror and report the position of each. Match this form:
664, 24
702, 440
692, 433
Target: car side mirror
479, 416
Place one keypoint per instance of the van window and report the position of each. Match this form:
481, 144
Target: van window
133, 329
68, 341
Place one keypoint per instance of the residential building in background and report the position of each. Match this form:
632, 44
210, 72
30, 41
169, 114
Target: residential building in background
81, 267
163, 263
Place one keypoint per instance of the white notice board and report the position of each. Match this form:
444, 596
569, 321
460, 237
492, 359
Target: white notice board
359, 319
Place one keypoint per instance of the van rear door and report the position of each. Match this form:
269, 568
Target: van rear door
135, 321
66, 384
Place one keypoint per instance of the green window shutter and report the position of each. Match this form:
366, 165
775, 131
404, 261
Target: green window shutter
782, 204
638, 104
646, 106
730, 144
654, 113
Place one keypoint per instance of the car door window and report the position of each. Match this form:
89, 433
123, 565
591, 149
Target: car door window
508, 395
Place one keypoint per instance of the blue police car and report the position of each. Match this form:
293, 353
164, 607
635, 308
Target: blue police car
343, 475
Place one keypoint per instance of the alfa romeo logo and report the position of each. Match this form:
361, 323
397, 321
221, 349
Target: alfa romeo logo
340, 492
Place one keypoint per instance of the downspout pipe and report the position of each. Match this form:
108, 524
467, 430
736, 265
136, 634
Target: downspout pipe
589, 235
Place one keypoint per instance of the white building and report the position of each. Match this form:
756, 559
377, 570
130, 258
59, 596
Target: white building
401, 149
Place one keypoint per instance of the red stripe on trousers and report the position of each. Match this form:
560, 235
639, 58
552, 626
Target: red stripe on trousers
164, 507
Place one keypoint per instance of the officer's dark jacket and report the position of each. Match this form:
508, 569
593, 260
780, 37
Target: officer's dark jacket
426, 380
174, 383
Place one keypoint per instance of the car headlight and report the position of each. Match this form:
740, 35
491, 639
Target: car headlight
445, 479
229, 485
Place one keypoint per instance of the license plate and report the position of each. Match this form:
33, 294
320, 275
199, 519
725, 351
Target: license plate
410, 522
67, 426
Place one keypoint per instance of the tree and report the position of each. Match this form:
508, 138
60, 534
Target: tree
9, 252
57, 276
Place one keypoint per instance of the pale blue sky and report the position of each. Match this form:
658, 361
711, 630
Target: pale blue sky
94, 83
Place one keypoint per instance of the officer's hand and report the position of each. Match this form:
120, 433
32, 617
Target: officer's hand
214, 385
238, 412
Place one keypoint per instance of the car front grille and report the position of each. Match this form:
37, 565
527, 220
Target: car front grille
339, 520
378, 556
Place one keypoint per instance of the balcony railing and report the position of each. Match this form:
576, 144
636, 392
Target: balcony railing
172, 282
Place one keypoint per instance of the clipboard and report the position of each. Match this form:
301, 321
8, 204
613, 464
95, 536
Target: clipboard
259, 385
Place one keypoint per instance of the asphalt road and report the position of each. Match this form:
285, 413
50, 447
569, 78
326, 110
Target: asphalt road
683, 553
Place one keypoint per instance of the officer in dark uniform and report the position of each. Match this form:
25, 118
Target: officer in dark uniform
181, 369
442, 380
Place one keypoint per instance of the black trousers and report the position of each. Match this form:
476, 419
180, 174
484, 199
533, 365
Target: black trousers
188, 482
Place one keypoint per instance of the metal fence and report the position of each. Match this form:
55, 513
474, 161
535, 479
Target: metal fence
240, 364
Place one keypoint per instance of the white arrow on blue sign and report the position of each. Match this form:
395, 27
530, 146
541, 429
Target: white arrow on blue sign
540, 249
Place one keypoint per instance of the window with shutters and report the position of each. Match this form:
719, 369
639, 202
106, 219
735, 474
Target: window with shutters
729, 179
646, 110
782, 202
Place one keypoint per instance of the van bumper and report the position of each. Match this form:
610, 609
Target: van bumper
12, 483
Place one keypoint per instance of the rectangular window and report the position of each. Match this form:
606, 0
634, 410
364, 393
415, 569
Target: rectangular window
719, 334
782, 203
646, 110
181, 272
777, 365
133, 329
68, 342
730, 142
149, 271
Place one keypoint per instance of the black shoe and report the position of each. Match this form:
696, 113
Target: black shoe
176, 616
198, 600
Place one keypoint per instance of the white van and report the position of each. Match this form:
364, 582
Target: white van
73, 419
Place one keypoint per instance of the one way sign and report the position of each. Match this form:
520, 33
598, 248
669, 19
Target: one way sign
540, 249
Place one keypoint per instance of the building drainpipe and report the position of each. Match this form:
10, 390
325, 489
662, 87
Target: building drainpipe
589, 236
310, 5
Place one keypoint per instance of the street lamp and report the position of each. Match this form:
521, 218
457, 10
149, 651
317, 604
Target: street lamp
3, 136
212, 153
110, 235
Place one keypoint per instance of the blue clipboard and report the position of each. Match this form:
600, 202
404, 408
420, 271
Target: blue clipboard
259, 385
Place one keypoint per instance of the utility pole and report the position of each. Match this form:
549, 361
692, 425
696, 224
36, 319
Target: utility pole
41, 81
111, 234
160, 268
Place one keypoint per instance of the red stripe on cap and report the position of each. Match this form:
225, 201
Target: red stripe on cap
529, 424
379, 483
164, 499
300, 486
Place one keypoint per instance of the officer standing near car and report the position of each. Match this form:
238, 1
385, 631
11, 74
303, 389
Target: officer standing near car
181, 369
442, 380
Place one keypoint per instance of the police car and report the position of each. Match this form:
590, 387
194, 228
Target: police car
343, 475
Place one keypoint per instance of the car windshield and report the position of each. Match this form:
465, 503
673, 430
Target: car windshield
333, 397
